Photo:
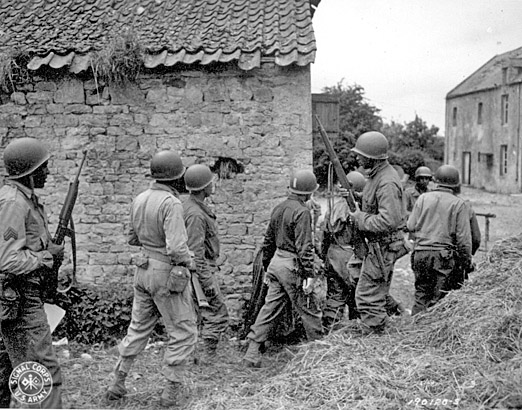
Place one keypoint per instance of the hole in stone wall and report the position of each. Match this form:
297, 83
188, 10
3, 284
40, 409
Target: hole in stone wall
226, 167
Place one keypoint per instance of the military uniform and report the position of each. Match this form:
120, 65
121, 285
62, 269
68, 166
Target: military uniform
157, 225
203, 241
288, 257
440, 223
460, 273
341, 288
411, 195
24, 258
381, 219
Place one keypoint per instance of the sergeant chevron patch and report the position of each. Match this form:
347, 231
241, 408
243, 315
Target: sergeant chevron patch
10, 233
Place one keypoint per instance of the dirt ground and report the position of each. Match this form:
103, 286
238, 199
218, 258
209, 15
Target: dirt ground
86, 378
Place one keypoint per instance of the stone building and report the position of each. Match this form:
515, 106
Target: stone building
225, 83
483, 136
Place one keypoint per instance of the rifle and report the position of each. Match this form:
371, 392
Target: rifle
359, 243
198, 291
66, 228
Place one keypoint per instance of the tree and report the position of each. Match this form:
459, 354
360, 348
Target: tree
356, 116
414, 144
414, 135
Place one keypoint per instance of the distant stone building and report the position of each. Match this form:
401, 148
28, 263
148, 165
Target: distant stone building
226, 83
483, 119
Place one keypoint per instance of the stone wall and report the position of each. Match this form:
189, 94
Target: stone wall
261, 119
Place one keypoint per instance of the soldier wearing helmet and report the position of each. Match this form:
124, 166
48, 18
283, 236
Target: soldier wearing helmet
161, 282
203, 241
423, 177
380, 219
440, 224
288, 258
27, 254
342, 266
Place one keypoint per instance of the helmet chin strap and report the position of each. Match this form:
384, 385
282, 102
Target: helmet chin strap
31, 187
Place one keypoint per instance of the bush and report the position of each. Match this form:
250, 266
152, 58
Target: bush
409, 160
96, 314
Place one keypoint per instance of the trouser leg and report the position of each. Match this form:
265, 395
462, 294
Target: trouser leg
5, 372
336, 300
180, 320
28, 338
373, 289
215, 318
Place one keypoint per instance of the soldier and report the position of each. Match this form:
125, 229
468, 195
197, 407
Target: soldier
161, 285
441, 226
380, 219
288, 258
27, 255
461, 273
423, 177
337, 252
203, 241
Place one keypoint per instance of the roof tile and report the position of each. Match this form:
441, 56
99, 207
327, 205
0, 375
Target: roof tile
190, 31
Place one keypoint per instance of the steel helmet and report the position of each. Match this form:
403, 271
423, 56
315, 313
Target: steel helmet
23, 156
197, 177
423, 172
166, 166
303, 182
357, 180
372, 145
448, 176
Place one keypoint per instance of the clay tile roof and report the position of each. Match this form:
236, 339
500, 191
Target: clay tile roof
67, 32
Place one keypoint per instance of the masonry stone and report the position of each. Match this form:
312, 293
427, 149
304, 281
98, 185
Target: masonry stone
18, 98
260, 118
70, 92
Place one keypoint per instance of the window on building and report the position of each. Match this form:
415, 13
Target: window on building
503, 159
466, 167
454, 117
479, 113
504, 75
504, 105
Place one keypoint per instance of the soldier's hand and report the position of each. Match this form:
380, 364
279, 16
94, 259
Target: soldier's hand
357, 210
191, 265
57, 251
308, 285
343, 192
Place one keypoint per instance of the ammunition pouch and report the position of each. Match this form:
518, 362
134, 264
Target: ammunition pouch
9, 299
178, 279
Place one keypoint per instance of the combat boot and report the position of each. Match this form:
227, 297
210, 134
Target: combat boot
173, 395
252, 356
117, 391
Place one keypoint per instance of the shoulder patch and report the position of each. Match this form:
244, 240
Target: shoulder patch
10, 233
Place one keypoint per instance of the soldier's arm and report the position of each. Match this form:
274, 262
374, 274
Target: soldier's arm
390, 213
15, 257
463, 235
475, 233
195, 226
303, 242
175, 232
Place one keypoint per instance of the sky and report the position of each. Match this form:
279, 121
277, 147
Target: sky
408, 54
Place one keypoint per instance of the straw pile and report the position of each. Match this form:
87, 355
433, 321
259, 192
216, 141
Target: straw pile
464, 353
